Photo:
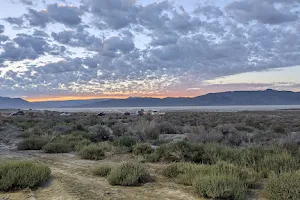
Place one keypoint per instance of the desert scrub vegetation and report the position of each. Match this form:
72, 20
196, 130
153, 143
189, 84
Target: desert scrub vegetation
220, 187
255, 146
142, 149
36, 143
283, 186
102, 170
219, 181
16, 175
128, 174
57, 147
92, 152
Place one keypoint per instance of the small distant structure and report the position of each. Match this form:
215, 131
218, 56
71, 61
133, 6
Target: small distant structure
18, 113
101, 114
142, 112
65, 114
127, 114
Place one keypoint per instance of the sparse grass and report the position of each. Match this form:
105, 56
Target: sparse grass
220, 187
283, 186
36, 143
92, 152
219, 181
16, 175
57, 147
128, 174
142, 149
238, 149
102, 170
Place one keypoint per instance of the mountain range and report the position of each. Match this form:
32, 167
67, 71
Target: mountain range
264, 97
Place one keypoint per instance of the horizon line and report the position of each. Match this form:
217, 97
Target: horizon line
78, 98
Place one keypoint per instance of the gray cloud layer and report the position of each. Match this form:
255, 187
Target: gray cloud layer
120, 46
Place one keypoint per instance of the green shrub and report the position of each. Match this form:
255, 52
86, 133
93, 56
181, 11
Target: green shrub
92, 152
171, 171
153, 157
57, 147
32, 144
77, 146
220, 187
126, 141
99, 133
268, 160
22, 174
283, 186
279, 163
142, 149
167, 128
128, 174
185, 173
102, 170
176, 151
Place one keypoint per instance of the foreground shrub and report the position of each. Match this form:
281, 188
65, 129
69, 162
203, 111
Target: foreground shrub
220, 187
185, 173
126, 141
102, 171
57, 147
92, 152
171, 171
32, 144
22, 174
124, 144
268, 160
99, 133
283, 186
128, 174
142, 149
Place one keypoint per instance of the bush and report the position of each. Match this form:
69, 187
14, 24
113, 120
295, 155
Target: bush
171, 171
128, 174
142, 149
32, 144
103, 170
176, 151
57, 147
185, 173
99, 133
92, 152
167, 128
125, 144
119, 129
220, 187
283, 186
279, 163
126, 141
22, 174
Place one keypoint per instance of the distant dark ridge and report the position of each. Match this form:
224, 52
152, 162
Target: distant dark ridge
265, 97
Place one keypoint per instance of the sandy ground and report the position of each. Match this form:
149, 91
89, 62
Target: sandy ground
72, 178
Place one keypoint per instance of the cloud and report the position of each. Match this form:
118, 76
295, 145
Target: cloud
79, 39
263, 11
1, 28
28, 47
116, 14
37, 18
15, 20
123, 46
114, 44
3, 38
65, 14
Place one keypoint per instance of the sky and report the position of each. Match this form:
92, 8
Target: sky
83, 49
